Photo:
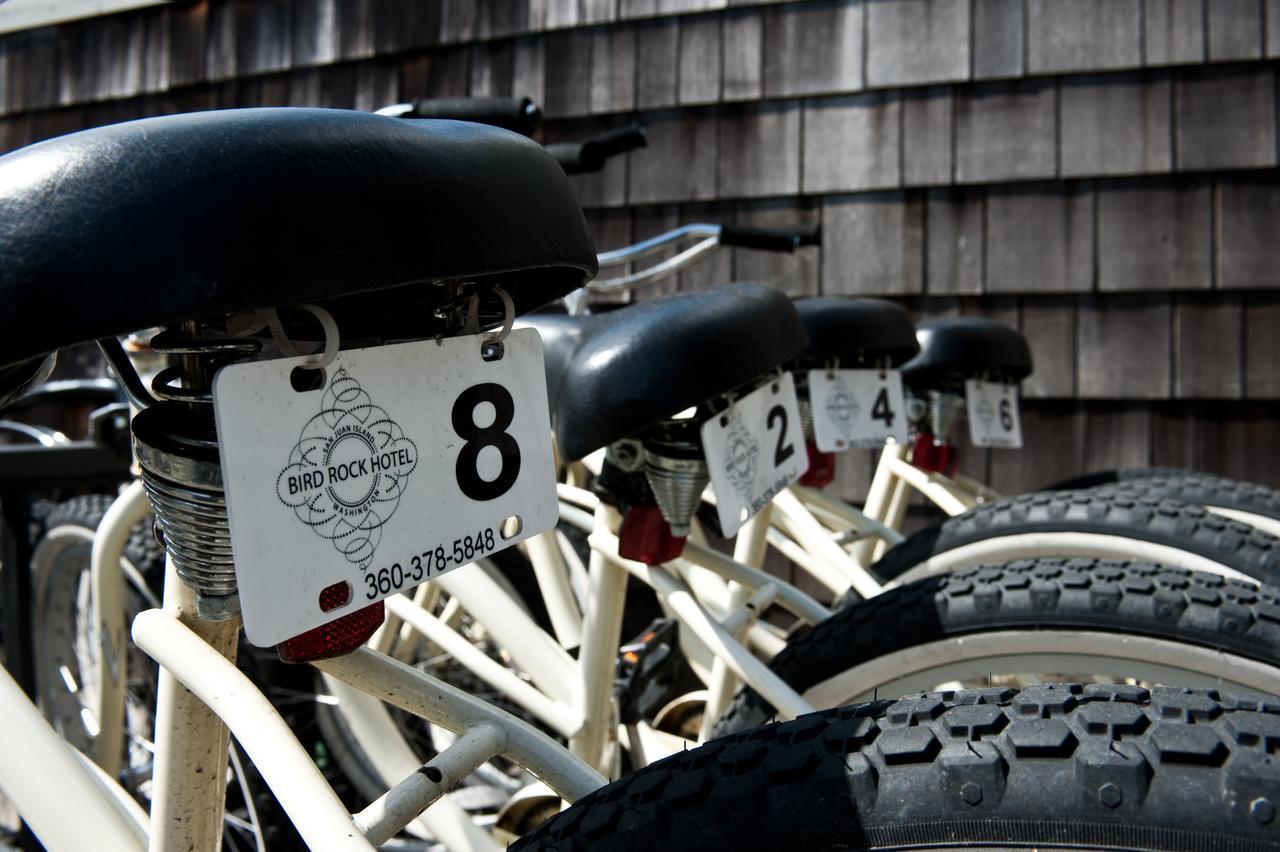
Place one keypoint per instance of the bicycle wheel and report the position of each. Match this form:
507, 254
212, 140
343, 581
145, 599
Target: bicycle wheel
1065, 619
66, 680
1095, 766
1102, 524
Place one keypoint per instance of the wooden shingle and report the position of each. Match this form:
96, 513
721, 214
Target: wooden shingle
917, 41
954, 225
1083, 35
999, 47
743, 55
813, 47
700, 66
613, 69
1116, 124
568, 73
687, 138
657, 63
1261, 345
1155, 237
1006, 131
927, 135
1249, 212
1117, 436
760, 150
1174, 31
852, 143
1039, 239
873, 244
1123, 347
1235, 30
1049, 325
1208, 333
1225, 118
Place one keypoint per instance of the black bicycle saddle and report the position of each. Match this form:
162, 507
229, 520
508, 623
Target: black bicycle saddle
611, 375
952, 350
856, 332
194, 216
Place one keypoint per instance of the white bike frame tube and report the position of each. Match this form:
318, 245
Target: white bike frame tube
553, 582
414, 692
864, 524
578, 579
579, 497
384, 745
560, 717
396, 808
876, 506
816, 568
789, 597
215, 683
65, 806
740, 661
598, 657
749, 549
936, 488
806, 530
972, 487
534, 652
189, 783
110, 648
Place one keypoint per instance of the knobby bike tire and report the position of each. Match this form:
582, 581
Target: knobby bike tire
1113, 599
1184, 527
1099, 766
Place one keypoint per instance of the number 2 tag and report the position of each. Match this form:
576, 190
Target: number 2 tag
754, 450
856, 409
993, 414
410, 461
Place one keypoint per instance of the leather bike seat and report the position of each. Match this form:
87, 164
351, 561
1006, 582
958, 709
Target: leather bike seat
952, 350
181, 217
611, 375
856, 332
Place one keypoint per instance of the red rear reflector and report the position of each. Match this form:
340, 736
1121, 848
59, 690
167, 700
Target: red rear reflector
822, 468
340, 636
932, 457
646, 537
332, 597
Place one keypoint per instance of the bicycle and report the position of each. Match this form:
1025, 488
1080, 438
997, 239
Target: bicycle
540, 254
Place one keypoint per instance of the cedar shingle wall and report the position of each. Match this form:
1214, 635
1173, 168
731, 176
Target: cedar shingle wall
1100, 173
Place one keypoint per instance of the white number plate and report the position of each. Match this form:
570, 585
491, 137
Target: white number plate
754, 450
411, 461
856, 409
993, 414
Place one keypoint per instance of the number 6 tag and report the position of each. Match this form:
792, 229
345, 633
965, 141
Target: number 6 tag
754, 450
993, 414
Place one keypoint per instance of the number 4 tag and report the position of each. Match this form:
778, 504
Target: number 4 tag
856, 409
993, 414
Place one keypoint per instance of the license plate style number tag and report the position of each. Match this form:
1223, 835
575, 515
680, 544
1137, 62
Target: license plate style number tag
993, 414
409, 461
856, 409
754, 450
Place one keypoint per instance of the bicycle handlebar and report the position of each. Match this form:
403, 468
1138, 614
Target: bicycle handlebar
521, 115
771, 239
590, 155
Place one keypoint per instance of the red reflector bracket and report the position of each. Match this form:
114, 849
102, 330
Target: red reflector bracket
931, 457
340, 636
822, 468
646, 537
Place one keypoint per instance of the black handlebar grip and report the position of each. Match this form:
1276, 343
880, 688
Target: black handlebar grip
590, 155
770, 239
519, 114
